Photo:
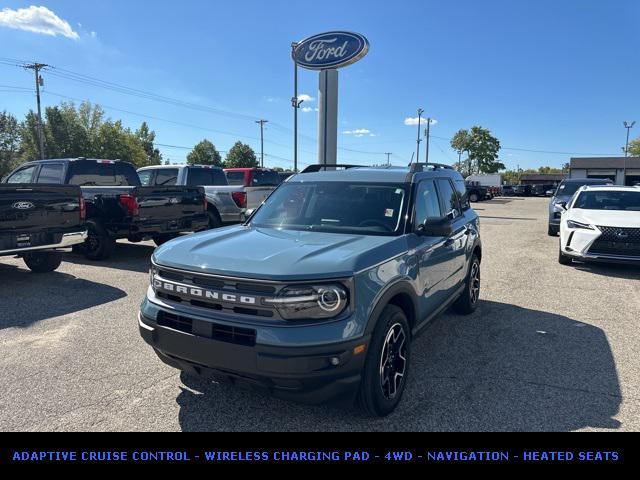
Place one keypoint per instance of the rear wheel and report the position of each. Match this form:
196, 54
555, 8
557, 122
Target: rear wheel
473, 197
160, 239
43, 262
468, 300
214, 220
99, 244
385, 372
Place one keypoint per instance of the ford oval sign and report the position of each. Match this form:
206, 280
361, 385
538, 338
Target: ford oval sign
23, 205
330, 50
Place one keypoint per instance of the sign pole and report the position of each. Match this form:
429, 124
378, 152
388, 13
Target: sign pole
328, 117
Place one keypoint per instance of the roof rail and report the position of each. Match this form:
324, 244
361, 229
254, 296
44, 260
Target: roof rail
422, 166
318, 166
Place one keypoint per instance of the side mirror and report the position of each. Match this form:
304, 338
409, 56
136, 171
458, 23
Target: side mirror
562, 205
435, 227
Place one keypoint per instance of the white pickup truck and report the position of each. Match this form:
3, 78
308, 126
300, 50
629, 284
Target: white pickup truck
226, 204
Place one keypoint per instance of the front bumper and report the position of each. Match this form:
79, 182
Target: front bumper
67, 240
310, 374
578, 244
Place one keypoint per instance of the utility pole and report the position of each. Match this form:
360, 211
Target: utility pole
426, 134
36, 67
296, 105
420, 112
388, 154
628, 126
262, 122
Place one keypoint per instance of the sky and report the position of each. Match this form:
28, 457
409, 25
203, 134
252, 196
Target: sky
551, 79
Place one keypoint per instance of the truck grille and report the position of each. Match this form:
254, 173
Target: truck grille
617, 241
215, 331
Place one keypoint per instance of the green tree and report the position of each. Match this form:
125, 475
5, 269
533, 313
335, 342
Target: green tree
482, 149
634, 147
204, 153
115, 142
460, 143
241, 155
9, 142
147, 137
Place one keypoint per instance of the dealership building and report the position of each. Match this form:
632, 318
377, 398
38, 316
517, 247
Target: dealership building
623, 171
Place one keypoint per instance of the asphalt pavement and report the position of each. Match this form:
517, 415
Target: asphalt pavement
551, 347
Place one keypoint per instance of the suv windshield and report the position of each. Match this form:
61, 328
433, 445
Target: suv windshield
608, 200
336, 207
569, 188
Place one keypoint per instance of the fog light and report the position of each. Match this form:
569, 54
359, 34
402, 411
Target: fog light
334, 361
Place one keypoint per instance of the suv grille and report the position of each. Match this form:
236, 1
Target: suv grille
617, 241
215, 331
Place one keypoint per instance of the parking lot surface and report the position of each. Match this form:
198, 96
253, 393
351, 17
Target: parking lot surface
550, 347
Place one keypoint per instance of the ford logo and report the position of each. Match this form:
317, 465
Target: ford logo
23, 205
330, 50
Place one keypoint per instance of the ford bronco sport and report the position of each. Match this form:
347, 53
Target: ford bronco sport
319, 293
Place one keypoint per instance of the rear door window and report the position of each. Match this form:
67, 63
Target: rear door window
145, 177
462, 194
235, 178
265, 178
448, 197
51, 173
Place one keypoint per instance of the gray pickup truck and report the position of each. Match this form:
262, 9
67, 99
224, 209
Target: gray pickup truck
226, 204
318, 294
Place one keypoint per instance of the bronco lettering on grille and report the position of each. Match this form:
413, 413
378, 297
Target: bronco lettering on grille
203, 293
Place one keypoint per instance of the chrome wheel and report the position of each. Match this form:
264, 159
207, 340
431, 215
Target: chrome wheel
393, 362
474, 283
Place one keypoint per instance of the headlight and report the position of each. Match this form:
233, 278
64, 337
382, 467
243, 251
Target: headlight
572, 224
152, 273
310, 301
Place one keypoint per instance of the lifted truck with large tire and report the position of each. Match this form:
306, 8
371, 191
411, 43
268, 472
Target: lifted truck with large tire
117, 205
317, 296
38, 221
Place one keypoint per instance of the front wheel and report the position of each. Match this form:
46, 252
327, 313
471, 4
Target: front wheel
385, 372
473, 197
99, 244
562, 258
468, 300
552, 231
43, 262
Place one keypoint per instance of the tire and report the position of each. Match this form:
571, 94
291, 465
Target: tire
99, 244
563, 259
469, 299
473, 197
214, 219
377, 397
164, 238
43, 262
552, 231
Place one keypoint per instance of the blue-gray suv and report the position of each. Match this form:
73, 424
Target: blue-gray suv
317, 296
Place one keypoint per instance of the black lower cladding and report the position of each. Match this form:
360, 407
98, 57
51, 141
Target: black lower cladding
308, 374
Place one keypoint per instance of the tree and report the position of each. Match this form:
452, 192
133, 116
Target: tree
634, 147
204, 153
460, 143
147, 137
482, 149
9, 142
241, 155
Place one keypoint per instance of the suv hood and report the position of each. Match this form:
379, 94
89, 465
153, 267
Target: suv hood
606, 218
272, 254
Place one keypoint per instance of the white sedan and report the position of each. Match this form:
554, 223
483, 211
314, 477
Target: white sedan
601, 224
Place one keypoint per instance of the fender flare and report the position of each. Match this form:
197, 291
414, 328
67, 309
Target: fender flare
400, 286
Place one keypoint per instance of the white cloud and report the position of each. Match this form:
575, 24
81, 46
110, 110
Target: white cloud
358, 132
38, 20
414, 121
305, 97
307, 109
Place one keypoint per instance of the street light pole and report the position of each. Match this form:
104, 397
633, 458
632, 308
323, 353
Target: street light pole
427, 135
388, 161
628, 126
420, 112
262, 122
296, 105
36, 67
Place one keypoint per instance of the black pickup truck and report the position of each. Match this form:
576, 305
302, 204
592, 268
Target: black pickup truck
117, 205
36, 221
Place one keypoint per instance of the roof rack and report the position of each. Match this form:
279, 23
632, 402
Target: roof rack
318, 166
422, 166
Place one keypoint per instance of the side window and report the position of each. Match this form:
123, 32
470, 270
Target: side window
51, 173
22, 176
462, 194
235, 178
448, 197
166, 176
427, 204
145, 177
